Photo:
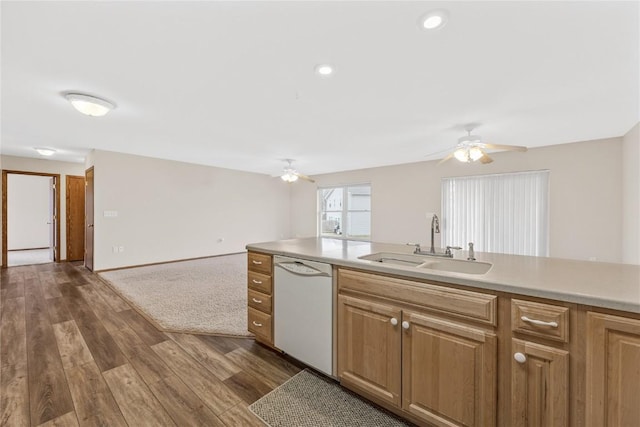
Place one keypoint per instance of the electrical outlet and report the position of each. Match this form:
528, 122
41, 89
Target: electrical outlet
220, 239
114, 249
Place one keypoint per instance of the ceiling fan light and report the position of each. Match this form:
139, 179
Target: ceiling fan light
475, 153
89, 105
289, 177
462, 154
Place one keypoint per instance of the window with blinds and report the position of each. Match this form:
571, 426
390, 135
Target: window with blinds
503, 213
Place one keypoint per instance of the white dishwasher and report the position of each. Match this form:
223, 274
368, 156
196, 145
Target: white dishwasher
303, 311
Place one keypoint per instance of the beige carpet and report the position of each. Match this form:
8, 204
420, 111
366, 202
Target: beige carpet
311, 400
206, 295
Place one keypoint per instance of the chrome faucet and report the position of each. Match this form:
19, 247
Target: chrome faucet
435, 228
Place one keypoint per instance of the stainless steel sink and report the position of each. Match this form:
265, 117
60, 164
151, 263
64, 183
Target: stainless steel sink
427, 262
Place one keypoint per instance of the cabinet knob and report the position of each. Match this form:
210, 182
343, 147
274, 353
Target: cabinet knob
405, 325
394, 321
520, 358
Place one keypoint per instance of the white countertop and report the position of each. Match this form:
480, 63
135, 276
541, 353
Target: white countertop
600, 284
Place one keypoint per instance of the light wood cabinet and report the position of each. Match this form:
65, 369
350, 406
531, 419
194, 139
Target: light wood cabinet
259, 294
449, 371
539, 385
540, 371
613, 371
431, 368
369, 348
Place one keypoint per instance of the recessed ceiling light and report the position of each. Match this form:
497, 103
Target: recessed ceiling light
324, 70
434, 19
89, 105
45, 151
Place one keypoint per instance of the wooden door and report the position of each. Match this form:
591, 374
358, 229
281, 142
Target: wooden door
75, 217
89, 217
539, 385
369, 348
448, 372
613, 371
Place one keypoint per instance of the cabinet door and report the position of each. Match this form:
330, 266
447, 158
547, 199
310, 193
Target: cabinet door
369, 348
449, 372
539, 385
613, 371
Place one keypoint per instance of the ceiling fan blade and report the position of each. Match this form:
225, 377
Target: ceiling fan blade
505, 147
439, 152
305, 177
485, 159
446, 158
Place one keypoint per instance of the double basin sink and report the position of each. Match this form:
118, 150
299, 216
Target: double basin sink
428, 262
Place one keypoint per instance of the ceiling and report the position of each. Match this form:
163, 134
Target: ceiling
232, 84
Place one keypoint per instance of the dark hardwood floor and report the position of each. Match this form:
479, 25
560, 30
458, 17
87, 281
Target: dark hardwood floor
73, 352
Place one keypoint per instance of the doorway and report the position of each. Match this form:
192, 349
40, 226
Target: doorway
30, 217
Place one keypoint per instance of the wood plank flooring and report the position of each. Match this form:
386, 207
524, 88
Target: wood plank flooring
73, 353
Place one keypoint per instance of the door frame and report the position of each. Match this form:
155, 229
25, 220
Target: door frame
56, 181
68, 212
86, 220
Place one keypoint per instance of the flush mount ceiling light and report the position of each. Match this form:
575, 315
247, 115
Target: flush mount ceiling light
89, 105
324, 70
45, 151
434, 19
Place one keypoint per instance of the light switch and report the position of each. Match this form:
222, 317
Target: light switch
110, 214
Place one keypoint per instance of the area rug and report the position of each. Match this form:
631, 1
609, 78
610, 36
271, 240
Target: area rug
310, 400
208, 295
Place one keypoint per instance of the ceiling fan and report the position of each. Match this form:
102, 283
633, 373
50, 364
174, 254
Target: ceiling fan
289, 174
470, 148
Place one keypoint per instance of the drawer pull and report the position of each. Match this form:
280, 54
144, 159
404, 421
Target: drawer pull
539, 322
256, 323
257, 301
256, 262
520, 358
257, 282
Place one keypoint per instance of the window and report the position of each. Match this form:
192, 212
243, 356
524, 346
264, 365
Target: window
345, 212
503, 213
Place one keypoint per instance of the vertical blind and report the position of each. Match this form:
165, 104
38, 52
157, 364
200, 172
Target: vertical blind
502, 213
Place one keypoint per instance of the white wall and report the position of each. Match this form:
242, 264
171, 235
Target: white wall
631, 196
585, 196
170, 210
28, 211
26, 164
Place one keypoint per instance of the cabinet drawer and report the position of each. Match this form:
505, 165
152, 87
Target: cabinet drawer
476, 306
260, 324
260, 263
259, 282
259, 301
540, 320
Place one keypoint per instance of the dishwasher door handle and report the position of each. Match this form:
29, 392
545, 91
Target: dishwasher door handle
293, 269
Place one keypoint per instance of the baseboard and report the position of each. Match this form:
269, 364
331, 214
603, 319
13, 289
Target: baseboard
165, 262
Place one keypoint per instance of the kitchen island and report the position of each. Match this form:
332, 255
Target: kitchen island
532, 340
